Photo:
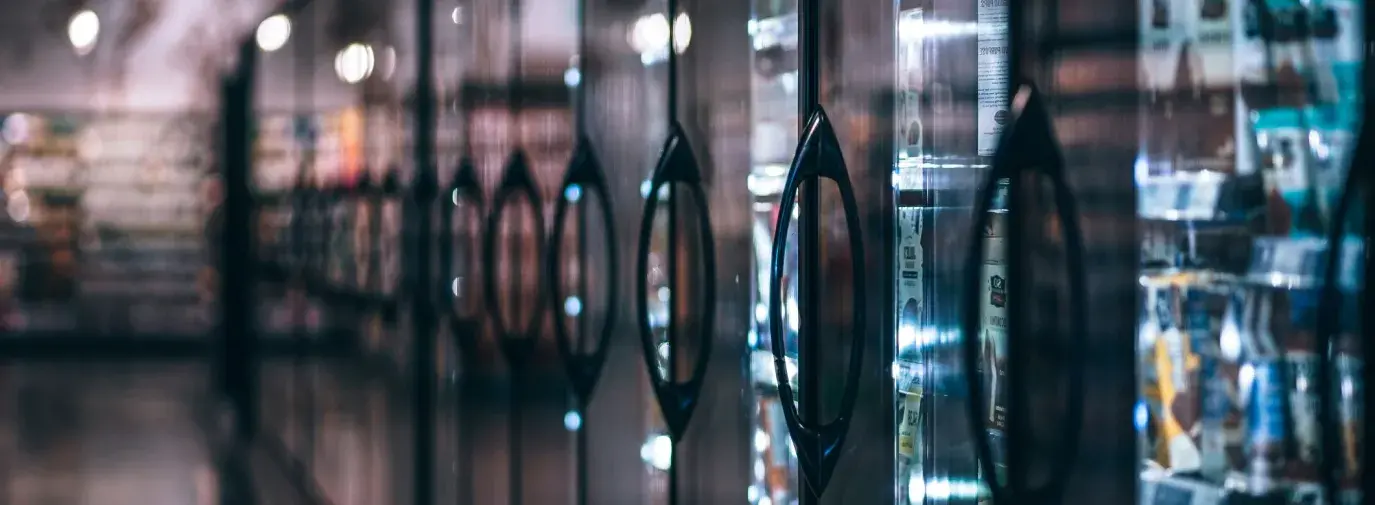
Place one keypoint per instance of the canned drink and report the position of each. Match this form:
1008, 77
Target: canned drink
993, 313
1212, 385
909, 440
1265, 425
1350, 411
909, 426
993, 316
1303, 406
1174, 355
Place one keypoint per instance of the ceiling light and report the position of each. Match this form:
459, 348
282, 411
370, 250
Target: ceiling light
354, 63
273, 32
83, 30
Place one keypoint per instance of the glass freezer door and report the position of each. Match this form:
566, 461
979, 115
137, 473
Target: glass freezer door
950, 101
1249, 318
773, 125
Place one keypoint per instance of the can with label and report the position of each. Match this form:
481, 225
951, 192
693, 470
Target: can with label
1350, 413
909, 429
909, 437
1174, 357
1303, 409
993, 332
1265, 425
910, 287
1214, 401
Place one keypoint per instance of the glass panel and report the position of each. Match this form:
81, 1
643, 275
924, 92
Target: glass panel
773, 135
1249, 115
330, 163
950, 81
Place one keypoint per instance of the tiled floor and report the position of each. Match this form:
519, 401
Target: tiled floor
98, 435
128, 435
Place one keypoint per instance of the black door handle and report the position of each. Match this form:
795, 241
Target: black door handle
516, 343
1027, 145
677, 165
585, 174
818, 156
464, 187
1330, 302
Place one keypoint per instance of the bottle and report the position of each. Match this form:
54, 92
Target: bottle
1214, 402
909, 438
1262, 378
1265, 426
1173, 359
1350, 390
1301, 365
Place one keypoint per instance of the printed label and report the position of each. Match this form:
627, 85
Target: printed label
1203, 198
1161, 37
909, 428
1331, 141
1336, 44
1214, 41
1303, 404
910, 84
993, 73
993, 314
1283, 147
1215, 402
1265, 408
909, 289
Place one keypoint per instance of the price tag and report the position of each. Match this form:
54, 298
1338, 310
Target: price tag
1157, 198
1184, 190
1288, 258
1166, 198
1203, 199
1173, 491
1171, 495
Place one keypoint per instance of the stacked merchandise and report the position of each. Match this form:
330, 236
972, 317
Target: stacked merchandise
284, 145
106, 224
1250, 117
333, 179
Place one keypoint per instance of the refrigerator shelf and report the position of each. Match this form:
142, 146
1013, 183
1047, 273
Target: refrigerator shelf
1289, 263
1182, 490
1200, 197
1297, 263
1174, 490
